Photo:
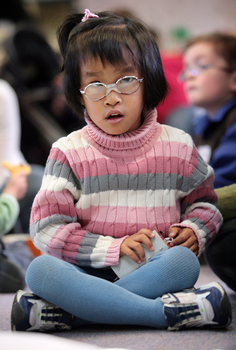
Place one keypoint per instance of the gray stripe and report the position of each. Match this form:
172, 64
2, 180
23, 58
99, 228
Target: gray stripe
200, 224
107, 182
86, 248
59, 169
140, 182
200, 172
54, 219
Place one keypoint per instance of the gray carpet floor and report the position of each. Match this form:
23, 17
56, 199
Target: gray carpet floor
143, 338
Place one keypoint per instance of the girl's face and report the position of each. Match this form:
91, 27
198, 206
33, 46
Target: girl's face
207, 83
116, 113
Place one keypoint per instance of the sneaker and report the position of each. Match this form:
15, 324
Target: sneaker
31, 313
207, 307
11, 275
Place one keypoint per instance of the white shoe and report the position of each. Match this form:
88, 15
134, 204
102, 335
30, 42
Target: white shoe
31, 313
207, 307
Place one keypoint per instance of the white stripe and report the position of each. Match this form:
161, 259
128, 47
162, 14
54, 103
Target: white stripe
141, 199
53, 183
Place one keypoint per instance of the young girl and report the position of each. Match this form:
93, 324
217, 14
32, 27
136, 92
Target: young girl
108, 186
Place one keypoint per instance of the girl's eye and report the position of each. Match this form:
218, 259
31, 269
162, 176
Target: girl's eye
126, 80
95, 82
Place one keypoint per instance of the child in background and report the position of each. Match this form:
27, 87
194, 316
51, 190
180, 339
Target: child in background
210, 82
10, 151
209, 78
11, 276
108, 186
14, 190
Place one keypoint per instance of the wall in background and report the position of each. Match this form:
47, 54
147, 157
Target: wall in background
174, 20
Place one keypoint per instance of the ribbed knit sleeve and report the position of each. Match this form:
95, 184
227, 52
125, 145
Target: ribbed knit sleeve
198, 206
98, 189
55, 224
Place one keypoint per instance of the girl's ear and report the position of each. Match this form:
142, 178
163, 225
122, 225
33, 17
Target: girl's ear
81, 100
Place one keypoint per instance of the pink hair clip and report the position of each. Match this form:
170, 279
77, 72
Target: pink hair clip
88, 15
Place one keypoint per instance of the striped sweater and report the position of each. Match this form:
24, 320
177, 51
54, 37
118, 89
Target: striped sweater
98, 189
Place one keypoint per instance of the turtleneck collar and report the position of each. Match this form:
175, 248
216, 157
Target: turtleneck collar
129, 144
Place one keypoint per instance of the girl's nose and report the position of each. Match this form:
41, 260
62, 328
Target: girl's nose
113, 98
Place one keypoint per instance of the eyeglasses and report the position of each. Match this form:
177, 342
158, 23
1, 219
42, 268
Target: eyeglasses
199, 68
126, 86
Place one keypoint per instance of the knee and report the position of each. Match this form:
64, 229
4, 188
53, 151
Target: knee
185, 255
185, 266
178, 258
182, 258
37, 270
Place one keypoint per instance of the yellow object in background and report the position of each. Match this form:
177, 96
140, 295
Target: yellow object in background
14, 169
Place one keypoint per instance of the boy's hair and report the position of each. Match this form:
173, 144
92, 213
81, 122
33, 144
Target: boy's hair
110, 37
224, 45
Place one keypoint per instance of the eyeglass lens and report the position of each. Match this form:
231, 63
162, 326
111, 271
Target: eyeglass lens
126, 85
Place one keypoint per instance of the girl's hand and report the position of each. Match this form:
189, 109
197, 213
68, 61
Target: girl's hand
132, 247
185, 237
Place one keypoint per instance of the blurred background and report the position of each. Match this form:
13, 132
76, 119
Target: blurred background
30, 60
173, 20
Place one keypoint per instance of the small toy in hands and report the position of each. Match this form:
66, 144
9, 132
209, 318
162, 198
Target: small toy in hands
128, 265
14, 169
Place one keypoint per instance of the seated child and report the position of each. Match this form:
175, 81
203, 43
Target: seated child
108, 186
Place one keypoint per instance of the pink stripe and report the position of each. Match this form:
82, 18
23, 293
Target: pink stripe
110, 220
113, 252
149, 165
87, 161
66, 241
210, 218
58, 155
203, 191
53, 197
48, 203
68, 236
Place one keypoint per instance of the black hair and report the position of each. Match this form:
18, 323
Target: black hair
109, 37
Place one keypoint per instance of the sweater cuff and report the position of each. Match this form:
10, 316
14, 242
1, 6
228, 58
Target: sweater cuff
113, 252
200, 235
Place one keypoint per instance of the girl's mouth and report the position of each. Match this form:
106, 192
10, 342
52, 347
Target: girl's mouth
114, 118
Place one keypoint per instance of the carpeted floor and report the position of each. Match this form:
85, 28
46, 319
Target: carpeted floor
138, 338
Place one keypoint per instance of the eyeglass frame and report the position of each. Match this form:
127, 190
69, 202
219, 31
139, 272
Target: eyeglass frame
201, 68
111, 87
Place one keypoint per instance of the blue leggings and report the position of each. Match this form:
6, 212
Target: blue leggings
92, 295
